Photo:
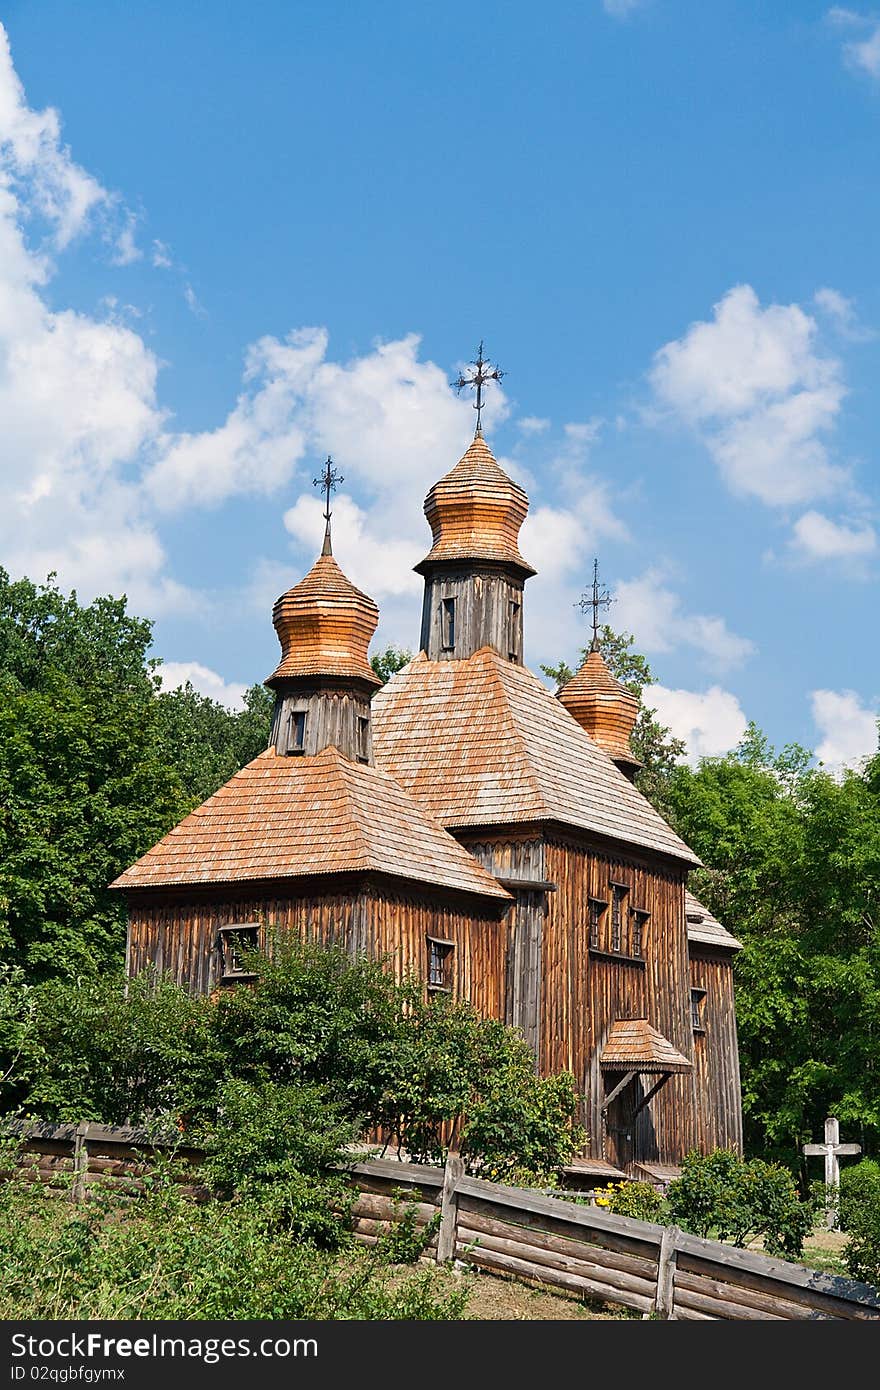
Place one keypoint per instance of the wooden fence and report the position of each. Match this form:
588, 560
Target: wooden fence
81, 1156
658, 1270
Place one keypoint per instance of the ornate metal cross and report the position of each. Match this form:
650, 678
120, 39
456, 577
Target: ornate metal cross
327, 481
599, 598
831, 1150
482, 372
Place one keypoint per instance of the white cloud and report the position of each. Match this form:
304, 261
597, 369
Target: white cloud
77, 393
388, 418
817, 537
654, 614
847, 726
161, 255
710, 722
532, 424
865, 53
752, 383
173, 674
381, 567
193, 303
842, 312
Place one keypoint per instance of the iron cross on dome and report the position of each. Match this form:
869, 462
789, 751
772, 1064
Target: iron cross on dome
598, 598
482, 371
327, 482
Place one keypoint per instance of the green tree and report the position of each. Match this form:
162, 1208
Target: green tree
653, 744
793, 858
96, 764
387, 663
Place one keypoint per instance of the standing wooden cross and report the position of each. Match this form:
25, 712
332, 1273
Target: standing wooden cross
831, 1149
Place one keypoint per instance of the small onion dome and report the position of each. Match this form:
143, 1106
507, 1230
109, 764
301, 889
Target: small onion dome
324, 625
604, 708
475, 512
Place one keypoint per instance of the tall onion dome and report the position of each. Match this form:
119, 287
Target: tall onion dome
475, 512
605, 708
474, 572
324, 681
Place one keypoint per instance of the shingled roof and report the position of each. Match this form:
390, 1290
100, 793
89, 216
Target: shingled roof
284, 817
633, 1045
703, 927
484, 742
475, 512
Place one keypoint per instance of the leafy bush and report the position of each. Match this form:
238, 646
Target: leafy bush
169, 1258
860, 1217
636, 1199
451, 1070
315, 1024
278, 1145
105, 1049
721, 1195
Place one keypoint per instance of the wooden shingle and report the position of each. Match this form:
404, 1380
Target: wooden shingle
703, 927
288, 817
484, 742
633, 1045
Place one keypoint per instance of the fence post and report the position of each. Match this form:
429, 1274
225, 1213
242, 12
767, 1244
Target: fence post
80, 1161
664, 1299
453, 1170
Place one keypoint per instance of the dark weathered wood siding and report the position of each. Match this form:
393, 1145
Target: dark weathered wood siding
517, 857
488, 611
336, 713
716, 1078
377, 918
584, 993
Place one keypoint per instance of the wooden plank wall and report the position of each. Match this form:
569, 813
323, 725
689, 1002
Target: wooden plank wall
374, 919
584, 994
483, 613
519, 855
717, 1096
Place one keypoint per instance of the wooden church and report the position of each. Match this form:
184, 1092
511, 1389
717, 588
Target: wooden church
476, 829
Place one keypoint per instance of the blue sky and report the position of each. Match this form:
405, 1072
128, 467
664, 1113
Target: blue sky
234, 238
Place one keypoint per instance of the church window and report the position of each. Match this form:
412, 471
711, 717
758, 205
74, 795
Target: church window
363, 734
638, 925
234, 943
618, 894
513, 640
447, 616
296, 738
598, 908
698, 1010
440, 962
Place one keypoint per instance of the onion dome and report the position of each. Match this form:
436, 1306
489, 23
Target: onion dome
475, 512
605, 708
324, 625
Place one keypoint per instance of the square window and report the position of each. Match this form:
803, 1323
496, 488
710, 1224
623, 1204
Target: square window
234, 942
440, 965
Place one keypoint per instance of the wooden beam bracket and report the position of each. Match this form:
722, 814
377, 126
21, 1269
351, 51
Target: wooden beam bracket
621, 1086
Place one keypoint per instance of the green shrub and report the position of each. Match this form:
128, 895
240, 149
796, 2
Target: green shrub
109, 1049
278, 1145
452, 1069
636, 1199
860, 1217
723, 1196
166, 1257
